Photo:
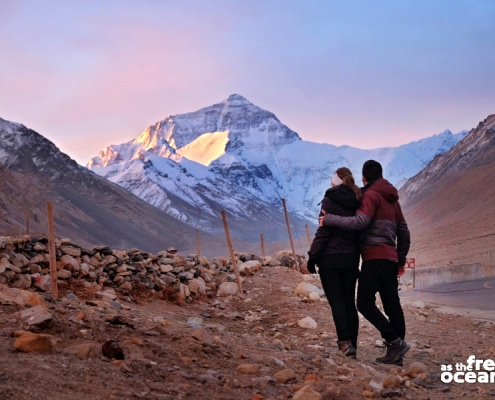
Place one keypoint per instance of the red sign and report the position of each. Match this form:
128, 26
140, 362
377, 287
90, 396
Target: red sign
410, 263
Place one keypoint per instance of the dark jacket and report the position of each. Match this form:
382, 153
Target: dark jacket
334, 247
380, 219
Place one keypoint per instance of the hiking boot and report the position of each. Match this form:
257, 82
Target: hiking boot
395, 352
346, 348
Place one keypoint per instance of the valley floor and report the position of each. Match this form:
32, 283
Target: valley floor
167, 359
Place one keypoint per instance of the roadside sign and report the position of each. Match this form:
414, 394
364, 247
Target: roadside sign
410, 263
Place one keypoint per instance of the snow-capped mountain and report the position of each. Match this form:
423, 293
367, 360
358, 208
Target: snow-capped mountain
241, 158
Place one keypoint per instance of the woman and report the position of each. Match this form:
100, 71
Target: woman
336, 253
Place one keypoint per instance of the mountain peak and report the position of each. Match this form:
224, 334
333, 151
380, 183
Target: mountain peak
237, 99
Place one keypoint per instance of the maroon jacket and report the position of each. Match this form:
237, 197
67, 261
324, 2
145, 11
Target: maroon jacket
381, 220
334, 247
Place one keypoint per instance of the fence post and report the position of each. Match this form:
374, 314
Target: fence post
290, 235
231, 250
262, 245
52, 251
309, 236
198, 245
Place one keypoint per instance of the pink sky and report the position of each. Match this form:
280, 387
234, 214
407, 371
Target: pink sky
86, 74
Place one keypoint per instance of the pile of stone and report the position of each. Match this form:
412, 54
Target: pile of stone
24, 264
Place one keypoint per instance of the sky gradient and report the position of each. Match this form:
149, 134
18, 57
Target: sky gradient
87, 74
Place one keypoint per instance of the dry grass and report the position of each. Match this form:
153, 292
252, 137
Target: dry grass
81, 289
172, 294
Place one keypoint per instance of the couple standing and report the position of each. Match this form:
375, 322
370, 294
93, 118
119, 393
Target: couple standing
366, 222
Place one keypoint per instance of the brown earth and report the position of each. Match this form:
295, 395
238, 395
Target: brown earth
455, 222
167, 359
449, 204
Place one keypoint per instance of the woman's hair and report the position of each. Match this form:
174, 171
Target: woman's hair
348, 180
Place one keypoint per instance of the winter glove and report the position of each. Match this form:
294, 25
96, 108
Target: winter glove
311, 266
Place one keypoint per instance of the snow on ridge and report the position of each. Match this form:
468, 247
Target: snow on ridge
235, 152
206, 148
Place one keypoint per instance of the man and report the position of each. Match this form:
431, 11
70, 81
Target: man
380, 219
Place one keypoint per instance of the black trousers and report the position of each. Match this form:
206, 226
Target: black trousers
339, 285
380, 276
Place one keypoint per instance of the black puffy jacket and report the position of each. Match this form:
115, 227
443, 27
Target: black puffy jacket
334, 247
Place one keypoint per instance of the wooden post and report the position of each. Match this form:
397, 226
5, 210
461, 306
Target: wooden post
290, 234
27, 222
198, 245
309, 236
51, 249
262, 245
231, 250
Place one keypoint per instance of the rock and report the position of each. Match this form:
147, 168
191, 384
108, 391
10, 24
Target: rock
417, 368
36, 315
19, 260
19, 297
308, 323
284, 376
70, 262
111, 349
43, 283
248, 369
64, 274
307, 393
313, 296
136, 341
368, 394
197, 286
419, 304
391, 381
23, 282
87, 350
249, 267
126, 287
227, 289
379, 343
305, 288
109, 294
390, 393
166, 268
34, 343
194, 322
274, 263
201, 335
71, 251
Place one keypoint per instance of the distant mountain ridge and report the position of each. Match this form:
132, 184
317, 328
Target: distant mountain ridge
449, 204
87, 208
238, 157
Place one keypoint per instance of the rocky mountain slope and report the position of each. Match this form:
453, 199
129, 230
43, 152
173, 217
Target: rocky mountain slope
449, 204
241, 158
87, 207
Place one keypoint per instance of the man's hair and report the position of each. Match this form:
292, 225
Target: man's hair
372, 170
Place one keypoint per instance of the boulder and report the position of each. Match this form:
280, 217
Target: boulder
197, 286
71, 251
305, 288
227, 289
308, 323
249, 267
32, 342
284, 376
36, 315
307, 393
249, 369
